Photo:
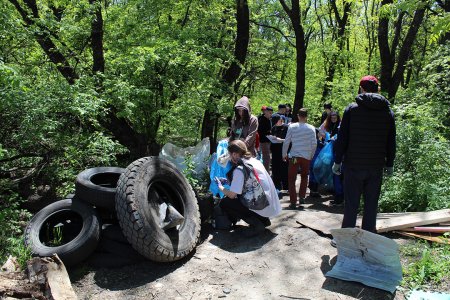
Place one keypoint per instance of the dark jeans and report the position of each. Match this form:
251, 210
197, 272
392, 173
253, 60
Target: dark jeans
236, 210
366, 182
279, 172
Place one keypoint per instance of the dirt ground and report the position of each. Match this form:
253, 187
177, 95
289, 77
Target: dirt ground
289, 261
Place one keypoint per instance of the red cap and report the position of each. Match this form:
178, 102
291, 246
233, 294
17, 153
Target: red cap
263, 107
369, 83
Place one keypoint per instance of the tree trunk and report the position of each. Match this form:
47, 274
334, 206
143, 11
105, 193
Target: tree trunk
97, 38
232, 73
392, 65
123, 132
44, 40
341, 36
300, 47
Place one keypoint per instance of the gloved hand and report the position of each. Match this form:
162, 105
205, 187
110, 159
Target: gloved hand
218, 182
336, 168
388, 171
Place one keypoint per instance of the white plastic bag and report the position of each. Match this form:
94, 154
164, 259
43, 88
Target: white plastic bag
199, 155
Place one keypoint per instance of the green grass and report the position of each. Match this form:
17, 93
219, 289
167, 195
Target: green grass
426, 266
16, 248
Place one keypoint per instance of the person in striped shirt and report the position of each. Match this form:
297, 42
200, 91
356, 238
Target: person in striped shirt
302, 137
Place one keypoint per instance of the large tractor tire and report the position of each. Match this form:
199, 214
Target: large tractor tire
68, 228
157, 210
97, 186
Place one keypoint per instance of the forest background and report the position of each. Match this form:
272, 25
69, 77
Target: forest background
100, 83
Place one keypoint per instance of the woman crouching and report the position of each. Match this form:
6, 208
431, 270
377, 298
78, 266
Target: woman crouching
246, 199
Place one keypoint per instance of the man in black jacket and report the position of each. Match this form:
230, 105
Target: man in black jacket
366, 145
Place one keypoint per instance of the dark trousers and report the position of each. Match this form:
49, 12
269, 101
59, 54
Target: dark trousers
368, 184
279, 172
236, 210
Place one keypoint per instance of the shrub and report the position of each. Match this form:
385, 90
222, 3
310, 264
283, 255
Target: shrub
422, 177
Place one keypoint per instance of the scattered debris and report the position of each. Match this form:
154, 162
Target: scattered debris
421, 295
11, 265
47, 279
425, 236
368, 258
51, 273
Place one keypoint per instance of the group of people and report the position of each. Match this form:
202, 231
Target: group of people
364, 143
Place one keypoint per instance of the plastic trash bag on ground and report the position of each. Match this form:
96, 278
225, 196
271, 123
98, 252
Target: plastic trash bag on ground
366, 257
220, 165
198, 153
323, 164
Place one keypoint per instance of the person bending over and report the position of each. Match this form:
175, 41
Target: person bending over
232, 205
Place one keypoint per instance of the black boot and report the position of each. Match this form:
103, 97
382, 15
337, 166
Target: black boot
256, 226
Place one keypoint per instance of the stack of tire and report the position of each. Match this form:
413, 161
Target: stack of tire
136, 198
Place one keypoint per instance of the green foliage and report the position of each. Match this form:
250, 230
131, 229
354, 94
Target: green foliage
13, 220
422, 177
199, 182
427, 266
163, 66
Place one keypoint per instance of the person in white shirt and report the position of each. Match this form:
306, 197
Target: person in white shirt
302, 136
231, 204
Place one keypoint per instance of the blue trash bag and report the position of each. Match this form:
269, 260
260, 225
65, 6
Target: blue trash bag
312, 179
323, 164
217, 170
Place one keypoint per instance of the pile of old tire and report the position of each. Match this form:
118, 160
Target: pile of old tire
157, 210
151, 200
71, 227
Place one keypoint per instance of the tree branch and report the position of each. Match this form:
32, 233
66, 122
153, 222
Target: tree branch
19, 156
277, 30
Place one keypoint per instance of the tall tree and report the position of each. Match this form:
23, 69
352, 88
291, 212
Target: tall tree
371, 9
296, 16
231, 74
339, 36
395, 54
120, 127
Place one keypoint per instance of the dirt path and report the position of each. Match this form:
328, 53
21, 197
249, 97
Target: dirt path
287, 262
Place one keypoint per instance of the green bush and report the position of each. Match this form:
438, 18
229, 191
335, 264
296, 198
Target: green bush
13, 220
422, 167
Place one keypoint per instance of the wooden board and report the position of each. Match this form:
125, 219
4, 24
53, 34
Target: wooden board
427, 229
411, 220
424, 236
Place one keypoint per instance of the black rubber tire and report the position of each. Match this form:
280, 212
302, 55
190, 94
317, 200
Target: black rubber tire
113, 232
97, 186
120, 249
145, 182
81, 228
110, 260
206, 206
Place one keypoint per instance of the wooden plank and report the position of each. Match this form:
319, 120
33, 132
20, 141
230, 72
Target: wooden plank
411, 220
423, 236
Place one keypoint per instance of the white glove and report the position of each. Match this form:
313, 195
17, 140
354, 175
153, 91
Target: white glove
336, 169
